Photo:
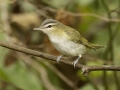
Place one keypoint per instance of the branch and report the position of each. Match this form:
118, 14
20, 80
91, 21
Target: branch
73, 14
86, 14
85, 69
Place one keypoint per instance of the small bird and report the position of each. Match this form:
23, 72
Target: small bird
66, 40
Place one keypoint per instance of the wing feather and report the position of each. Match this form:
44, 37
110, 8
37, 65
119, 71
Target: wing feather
75, 36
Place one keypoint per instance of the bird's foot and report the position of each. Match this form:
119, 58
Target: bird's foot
58, 58
75, 62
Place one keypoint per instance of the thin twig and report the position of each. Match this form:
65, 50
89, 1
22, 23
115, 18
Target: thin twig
5, 20
85, 69
115, 34
109, 45
43, 74
60, 75
40, 12
85, 14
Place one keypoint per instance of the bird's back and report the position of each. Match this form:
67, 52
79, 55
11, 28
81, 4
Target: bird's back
76, 37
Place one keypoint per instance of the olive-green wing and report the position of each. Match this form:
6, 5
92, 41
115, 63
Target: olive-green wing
75, 36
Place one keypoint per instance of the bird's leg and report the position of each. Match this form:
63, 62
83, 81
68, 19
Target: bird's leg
58, 58
76, 61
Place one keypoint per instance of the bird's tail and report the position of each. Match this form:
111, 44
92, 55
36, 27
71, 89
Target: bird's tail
95, 46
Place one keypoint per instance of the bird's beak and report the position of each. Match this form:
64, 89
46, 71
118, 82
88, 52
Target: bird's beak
39, 28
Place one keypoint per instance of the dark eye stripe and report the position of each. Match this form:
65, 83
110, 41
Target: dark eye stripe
49, 26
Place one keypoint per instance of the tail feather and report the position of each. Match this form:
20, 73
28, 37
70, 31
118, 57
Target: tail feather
95, 46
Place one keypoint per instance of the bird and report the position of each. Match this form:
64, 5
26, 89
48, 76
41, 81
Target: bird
67, 40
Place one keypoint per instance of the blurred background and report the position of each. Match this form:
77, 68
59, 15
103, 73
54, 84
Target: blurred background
97, 20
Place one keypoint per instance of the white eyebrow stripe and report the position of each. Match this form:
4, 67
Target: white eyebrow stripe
49, 24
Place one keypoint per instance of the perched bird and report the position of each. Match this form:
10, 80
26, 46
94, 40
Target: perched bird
66, 40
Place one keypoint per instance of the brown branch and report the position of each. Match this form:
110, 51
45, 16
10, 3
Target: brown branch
86, 15
85, 69
73, 14
24, 57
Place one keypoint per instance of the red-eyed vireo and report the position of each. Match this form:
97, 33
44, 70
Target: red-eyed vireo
66, 40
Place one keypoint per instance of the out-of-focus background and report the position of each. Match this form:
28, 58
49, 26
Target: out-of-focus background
97, 20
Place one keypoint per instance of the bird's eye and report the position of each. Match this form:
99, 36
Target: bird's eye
49, 26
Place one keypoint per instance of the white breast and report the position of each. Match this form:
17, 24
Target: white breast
67, 47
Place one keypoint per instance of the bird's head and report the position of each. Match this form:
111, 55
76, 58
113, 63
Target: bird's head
50, 26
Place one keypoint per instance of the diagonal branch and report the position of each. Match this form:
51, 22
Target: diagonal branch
86, 15
85, 69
